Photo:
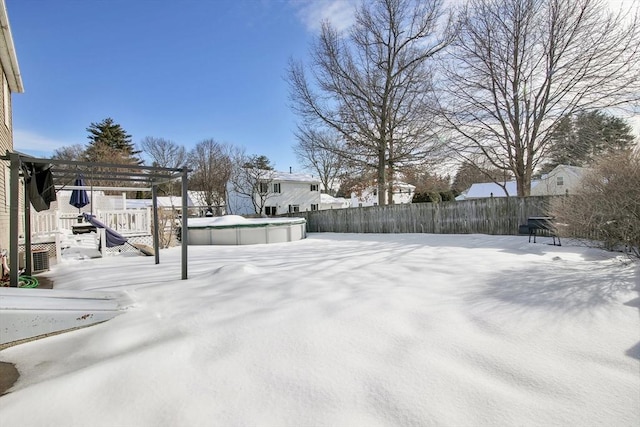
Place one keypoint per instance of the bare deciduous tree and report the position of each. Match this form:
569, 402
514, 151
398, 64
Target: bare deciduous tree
163, 152
375, 85
75, 152
519, 66
313, 153
211, 164
251, 182
69, 152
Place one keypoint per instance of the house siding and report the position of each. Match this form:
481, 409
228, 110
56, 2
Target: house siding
294, 193
6, 144
294, 190
402, 194
548, 186
11, 83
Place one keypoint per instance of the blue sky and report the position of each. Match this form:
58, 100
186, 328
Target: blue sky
180, 70
184, 70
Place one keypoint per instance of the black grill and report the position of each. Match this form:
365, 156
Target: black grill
542, 226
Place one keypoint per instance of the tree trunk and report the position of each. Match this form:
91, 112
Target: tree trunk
381, 178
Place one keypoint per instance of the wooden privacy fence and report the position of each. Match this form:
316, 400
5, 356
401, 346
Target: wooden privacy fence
484, 216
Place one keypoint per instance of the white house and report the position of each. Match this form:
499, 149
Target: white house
285, 192
402, 194
293, 192
329, 202
561, 180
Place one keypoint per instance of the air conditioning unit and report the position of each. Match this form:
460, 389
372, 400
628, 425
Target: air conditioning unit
39, 261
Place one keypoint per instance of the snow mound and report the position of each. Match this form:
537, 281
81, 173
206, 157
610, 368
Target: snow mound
229, 220
226, 220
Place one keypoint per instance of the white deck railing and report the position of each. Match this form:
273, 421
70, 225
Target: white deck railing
126, 222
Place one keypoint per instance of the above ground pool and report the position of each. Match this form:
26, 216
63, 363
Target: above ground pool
237, 230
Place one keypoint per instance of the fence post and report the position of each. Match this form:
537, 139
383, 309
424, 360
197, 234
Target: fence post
147, 220
103, 241
58, 220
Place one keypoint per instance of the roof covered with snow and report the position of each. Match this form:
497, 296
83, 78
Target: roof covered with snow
329, 199
295, 177
576, 171
492, 189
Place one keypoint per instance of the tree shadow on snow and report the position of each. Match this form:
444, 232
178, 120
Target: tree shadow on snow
562, 287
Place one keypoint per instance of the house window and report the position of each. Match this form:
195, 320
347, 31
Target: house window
294, 208
559, 181
264, 188
276, 188
314, 187
314, 207
270, 210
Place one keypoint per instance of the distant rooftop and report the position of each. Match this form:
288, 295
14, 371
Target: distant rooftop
491, 189
295, 177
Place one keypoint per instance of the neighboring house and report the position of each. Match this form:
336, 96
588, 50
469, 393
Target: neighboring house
561, 180
402, 194
199, 199
285, 192
329, 202
11, 83
173, 202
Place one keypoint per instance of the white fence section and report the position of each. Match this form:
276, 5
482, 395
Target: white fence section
126, 222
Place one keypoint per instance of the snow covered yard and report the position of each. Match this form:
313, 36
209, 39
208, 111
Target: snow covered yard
345, 330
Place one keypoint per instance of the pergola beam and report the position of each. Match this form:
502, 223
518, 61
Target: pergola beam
100, 188
95, 164
114, 175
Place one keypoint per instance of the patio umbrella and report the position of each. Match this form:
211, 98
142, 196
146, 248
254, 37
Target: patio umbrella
79, 197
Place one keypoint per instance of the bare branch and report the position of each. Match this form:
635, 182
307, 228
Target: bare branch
519, 66
373, 86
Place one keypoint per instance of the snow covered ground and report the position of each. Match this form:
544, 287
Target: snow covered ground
345, 330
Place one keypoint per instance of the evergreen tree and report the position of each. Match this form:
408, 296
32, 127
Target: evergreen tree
581, 139
108, 142
565, 145
259, 162
468, 174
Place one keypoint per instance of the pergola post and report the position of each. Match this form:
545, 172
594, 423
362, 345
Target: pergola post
184, 231
28, 268
13, 218
156, 230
